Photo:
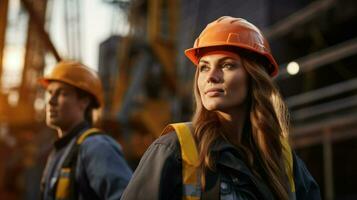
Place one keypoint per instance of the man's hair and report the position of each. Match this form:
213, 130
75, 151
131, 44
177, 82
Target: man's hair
88, 113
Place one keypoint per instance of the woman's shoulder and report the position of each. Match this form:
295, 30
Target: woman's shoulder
168, 140
305, 185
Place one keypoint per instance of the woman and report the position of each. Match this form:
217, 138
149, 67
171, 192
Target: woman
239, 128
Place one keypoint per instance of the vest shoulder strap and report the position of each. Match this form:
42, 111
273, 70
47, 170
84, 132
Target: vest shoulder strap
187, 142
87, 133
190, 177
65, 189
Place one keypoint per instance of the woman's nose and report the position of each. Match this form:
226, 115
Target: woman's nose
214, 76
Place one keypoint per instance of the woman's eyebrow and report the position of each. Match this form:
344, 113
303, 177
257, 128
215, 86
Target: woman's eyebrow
226, 58
204, 61
219, 60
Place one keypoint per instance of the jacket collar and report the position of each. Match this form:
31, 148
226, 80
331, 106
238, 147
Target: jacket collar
62, 142
229, 156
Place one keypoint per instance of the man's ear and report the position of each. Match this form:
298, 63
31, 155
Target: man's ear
84, 102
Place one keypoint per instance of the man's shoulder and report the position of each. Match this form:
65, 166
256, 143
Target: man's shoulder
100, 137
90, 135
99, 142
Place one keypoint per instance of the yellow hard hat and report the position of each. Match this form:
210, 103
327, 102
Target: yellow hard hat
78, 75
233, 32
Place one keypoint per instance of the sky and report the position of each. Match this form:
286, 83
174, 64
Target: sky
96, 26
97, 18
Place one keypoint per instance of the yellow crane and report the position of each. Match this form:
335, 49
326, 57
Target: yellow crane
151, 42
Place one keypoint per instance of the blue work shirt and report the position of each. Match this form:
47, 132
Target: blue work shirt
101, 170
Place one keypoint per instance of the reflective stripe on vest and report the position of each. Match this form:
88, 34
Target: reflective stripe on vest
62, 190
64, 179
191, 183
191, 191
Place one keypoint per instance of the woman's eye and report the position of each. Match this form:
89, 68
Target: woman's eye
228, 66
203, 68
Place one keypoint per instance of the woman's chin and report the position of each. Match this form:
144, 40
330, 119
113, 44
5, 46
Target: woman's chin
213, 107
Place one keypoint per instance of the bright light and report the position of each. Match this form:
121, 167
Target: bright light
13, 57
13, 98
13, 63
5, 136
293, 68
39, 104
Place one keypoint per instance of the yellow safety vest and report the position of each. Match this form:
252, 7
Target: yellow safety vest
189, 153
63, 189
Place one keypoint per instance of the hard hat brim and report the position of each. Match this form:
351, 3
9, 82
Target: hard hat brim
45, 81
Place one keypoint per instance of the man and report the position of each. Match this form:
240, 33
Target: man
84, 163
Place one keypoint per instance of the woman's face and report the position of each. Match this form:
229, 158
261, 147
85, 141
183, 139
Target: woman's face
222, 81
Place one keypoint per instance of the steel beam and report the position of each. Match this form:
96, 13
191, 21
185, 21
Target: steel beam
332, 106
328, 165
322, 58
300, 17
321, 93
328, 55
332, 122
38, 23
4, 4
35, 51
140, 69
164, 47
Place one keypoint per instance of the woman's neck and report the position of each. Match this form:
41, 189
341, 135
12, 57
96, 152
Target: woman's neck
233, 123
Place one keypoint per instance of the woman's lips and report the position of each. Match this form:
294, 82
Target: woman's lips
213, 92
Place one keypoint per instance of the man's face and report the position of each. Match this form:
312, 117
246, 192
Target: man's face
64, 109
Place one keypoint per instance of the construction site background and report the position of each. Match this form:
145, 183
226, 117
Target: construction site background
148, 80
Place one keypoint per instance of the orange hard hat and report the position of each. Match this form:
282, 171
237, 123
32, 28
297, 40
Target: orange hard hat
233, 32
77, 75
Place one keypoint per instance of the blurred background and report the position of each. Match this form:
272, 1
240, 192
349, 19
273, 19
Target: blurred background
137, 48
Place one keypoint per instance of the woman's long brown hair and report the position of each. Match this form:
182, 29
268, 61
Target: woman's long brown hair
268, 118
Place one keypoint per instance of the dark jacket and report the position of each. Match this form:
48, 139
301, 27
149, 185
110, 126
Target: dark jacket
101, 170
159, 176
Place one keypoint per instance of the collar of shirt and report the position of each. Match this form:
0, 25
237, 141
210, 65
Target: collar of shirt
228, 155
222, 145
62, 142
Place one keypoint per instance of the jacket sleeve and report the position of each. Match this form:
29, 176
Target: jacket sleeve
305, 185
158, 175
105, 168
